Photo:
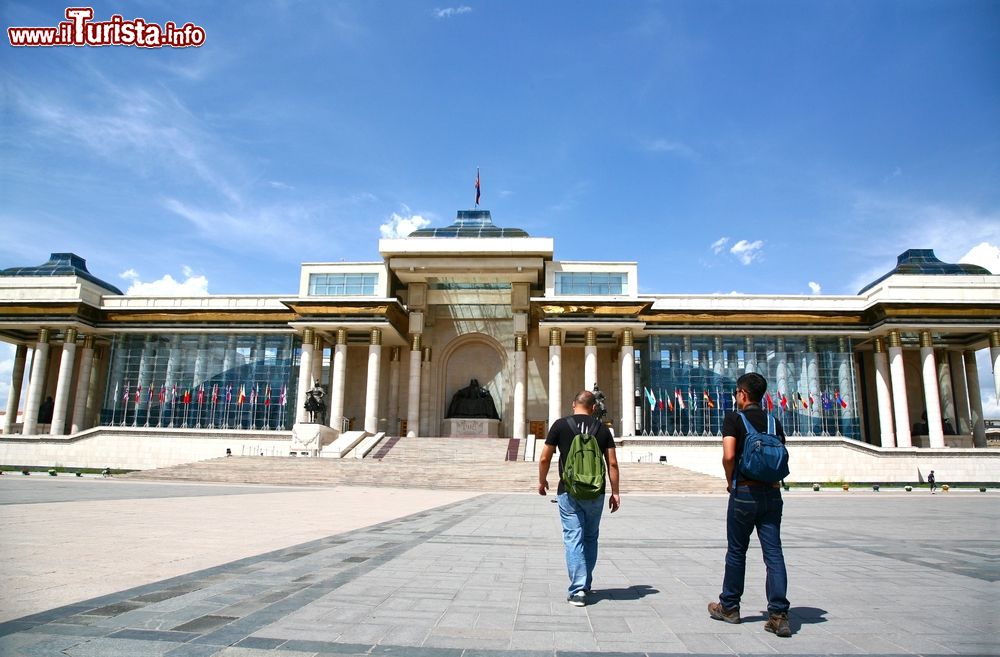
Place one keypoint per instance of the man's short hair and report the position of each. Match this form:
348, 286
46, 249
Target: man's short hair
754, 384
585, 398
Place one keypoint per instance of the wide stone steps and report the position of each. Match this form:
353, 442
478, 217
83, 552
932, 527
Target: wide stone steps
442, 463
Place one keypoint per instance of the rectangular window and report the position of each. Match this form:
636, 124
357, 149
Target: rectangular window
342, 285
591, 283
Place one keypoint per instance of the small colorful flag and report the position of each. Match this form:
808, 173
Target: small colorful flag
253, 396
187, 396
770, 403
477, 187
812, 402
201, 394
125, 394
670, 404
215, 394
283, 399
680, 399
149, 394
708, 399
826, 401
242, 397
229, 393
163, 393
840, 400
784, 402
138, 394
267, 395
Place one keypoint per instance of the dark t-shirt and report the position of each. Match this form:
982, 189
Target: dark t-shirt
732, 425
565, 429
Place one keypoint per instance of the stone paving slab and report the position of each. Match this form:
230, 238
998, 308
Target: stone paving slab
484, 576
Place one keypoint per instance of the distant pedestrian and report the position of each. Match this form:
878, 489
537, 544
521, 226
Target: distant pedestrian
581, 518
752, 505
931, 481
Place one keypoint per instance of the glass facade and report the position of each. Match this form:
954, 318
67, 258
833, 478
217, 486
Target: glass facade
207, 381
591, 283
341, 285
688, 382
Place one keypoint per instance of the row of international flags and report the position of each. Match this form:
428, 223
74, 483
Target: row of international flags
226, 393
680, 400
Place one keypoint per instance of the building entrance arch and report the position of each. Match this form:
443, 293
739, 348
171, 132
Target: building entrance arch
481, 357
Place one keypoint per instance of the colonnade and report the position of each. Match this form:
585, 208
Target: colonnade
73, 403
950, 385
949, 382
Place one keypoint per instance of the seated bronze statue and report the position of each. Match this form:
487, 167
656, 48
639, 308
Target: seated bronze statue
473, 401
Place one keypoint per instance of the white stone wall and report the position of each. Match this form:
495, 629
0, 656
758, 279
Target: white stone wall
131, 449
821, 460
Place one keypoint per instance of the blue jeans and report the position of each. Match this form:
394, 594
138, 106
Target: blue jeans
581, 524
760, 508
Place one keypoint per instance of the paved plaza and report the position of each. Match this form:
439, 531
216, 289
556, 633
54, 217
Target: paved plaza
97, 567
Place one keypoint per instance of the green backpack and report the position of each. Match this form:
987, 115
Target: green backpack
583, 468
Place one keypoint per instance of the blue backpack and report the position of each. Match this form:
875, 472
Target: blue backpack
764, 457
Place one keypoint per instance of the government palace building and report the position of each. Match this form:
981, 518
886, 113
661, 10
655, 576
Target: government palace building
878, 386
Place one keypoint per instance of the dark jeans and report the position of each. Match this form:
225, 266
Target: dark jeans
760, 508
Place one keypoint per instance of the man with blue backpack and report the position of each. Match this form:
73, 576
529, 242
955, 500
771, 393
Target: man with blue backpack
755, 460
586, 455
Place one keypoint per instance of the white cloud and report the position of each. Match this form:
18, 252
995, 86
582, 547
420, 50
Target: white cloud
985, 255
746, 251
402, 225
150, 130
448, 12
718, 245
667, 146
815, 287
167, 286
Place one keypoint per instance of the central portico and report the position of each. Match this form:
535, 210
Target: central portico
467, 288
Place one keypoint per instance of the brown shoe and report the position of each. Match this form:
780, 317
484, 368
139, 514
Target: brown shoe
778, 624
718, 612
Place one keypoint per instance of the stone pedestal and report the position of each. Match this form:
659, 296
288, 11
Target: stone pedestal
470, 426
308, 439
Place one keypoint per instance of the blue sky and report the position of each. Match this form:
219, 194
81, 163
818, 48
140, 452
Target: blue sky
758, 147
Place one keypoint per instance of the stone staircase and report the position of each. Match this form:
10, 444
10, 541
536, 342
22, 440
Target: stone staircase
442, 463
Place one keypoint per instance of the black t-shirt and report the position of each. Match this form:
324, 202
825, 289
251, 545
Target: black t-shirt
563, 431
732, 425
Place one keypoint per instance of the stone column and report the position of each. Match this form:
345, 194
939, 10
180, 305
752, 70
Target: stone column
750, 356
884, 397
36, 383
170, 381
305, 372
64, 382
781, 372
975, 399
627, 368
413, 390
426, 417
520, 388
338, 369
83, 386
16, 381
590, 359
555, 375
374, 371
899, 401
844, 381
995, 358
317, 360
945, 392
393, 413
932, 400
812, 376
958, 379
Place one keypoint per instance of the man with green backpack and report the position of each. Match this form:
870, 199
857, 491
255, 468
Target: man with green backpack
586, 455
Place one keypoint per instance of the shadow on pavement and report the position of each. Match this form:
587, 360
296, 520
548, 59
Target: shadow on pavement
631, 593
